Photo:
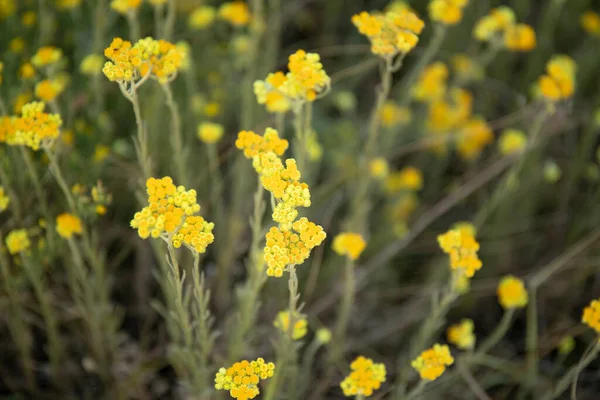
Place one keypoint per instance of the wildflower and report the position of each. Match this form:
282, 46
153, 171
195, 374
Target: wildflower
210, 132
408, 178
559, 81
473, 137
447, 12
323, 335
520, 37
512, 293
17, 45
282, 322
313, 147
202, 17
17, 241
391, 33
393, 114
46, 56
212, 109
345, 101
125, 6
91, 65
466, 228
461, 335
68, 4
445, 116
432, 362
253, 144
349, 244
101, 151
491, 27
48, 90
431, 84
590, 22
68, 225
462, 248
512, 141
378, 168
241, 379
26, 71
591, 315
4, 199
236, 13
166, 62
397, 6
365, 377
306, 77
268, 93
36, 128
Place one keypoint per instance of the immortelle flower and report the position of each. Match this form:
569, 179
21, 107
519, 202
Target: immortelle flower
7, 129
591, 315
210, 132
46, 56
462, 248
17, 241
4, 199
125, 6
392, 115
432, 362
473, 137
323, 335
559, 81
48, 89
408, 178
349, 244
590, 22
36, 128
466, 68
379, 168
68, 4
236, 13
242, 378
202, 17
365, 377
282, 322
91, 65
68, 225
512, 293
520, 37
461, 335
447, 12
431, 84
512, 141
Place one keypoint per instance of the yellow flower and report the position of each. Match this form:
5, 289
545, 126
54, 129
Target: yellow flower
7, 129
448, 12
91, 65
17, 241
590, 22
431, 84
101, 151
7, 8
68, 4
473, 137
125, 6
4, 199
26, 71
29, 18
306, 77
466, 68
465, 227
17, 45
461, 335
512, 293
236, 13
282, 322
365, 377
378, 168
559, 81
253, 144
202, 17
210, 132
46, 56
490, 26
462, 247
68, 225
36, 128
323, 335
393, 115
403, 208
268, 93
512, 141
241, 379
100, 209
349, 244
408, 178
47, 90
552, 171
520, 37
432, 362
591, 315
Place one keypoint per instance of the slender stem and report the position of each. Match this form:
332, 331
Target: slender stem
45, 18
300, 132
345, 308
135, 30
176, 136
142, 138
3, 109
532, 340
497, 334
158, 24
170, 20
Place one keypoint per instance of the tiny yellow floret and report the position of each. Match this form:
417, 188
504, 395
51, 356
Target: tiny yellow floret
210, 132
512, 293
68, 225
591, 315
349, 244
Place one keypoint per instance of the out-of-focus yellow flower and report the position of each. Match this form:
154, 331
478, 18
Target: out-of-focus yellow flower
26, 71
559, 81
590, 22
431, 84
462, 248
379, 168
17, 241
398, 6
323, 335
269, 92
36, 128
47, 90
68, 137
202, 17
212, 109
473, 137
45, 56
17, 45
461, 335
447, 12
408, 178
125, 6
91, 65
512, 141
67, 4
236, 13
4, 199
101, 151
68, 225
520, 37
490, 27
512, 293
210, 132
349, 244
465, 227
392, 114
432, 362
466, 68
282, 322
7, 8
365, 377
29, 18
591, 315
313, 147
345, 101
241, 379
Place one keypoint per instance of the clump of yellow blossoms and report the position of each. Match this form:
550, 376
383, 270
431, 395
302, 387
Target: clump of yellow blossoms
559, 81
432, 362
170, 215
4, 199
125, 6
202, 17
500, 28
68, 225
366, 377
408, 178
512, 141
46, 56
236, 13
242, 378
512, 293
431, 84
447, 12
590, 22
462, 247
461, 335
17, 241
47, 90
591, 315
210, 132
7, 129
305, 80
473, 137
349, 244
282, 322
391, 33
7, 8
91, 65
35, 128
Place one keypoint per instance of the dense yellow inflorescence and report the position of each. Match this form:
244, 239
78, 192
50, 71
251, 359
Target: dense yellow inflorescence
512, 141
46, 56
559, 81
390, 33
590, 22
17, 241
432, 362
512, 293
236, 13
242, 378
68, 225
48, 89
461, 335
591, 315
447, 12
499, 27
35, 128
210, 132
462, 247
365, 377
349, 244
473, 137
282, 322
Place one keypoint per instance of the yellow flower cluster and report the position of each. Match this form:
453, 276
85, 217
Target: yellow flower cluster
366, 377
431, 84
590, 22
447, 12
473, 137
282, 322
512, 293
305, 80
349, 244
125, 6
210, 132
48, 89
432, 362
461, 335
7, 129
391, 33
4, 199
462, 247
559, 81
253, 145
46, 56
91, 65
512, 141
500, 28
7, 8
241, 379
68, 225
17, 241
591, 315
35, 128
170, 215
236, 13
407, 179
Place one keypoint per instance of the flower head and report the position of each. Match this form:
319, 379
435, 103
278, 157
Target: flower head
520, 37
447, 12
282, 322
323, 335
365, 377
512, 141
210, 132
461, 335
202, 17
473, 137
242, 378
125, 6
392, 114
590, 22
349, 244
48, 90
462, 248
236, 13
408, 178
591, 315
431, 84
432, 362
91, 65
512, 293
17, 241
378, 168
68, 225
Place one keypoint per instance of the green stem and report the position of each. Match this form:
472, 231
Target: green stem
142, 138
170, 20
176, 136
15, 204
417, 390
497, 334
345, 308
300, 132
532, 340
